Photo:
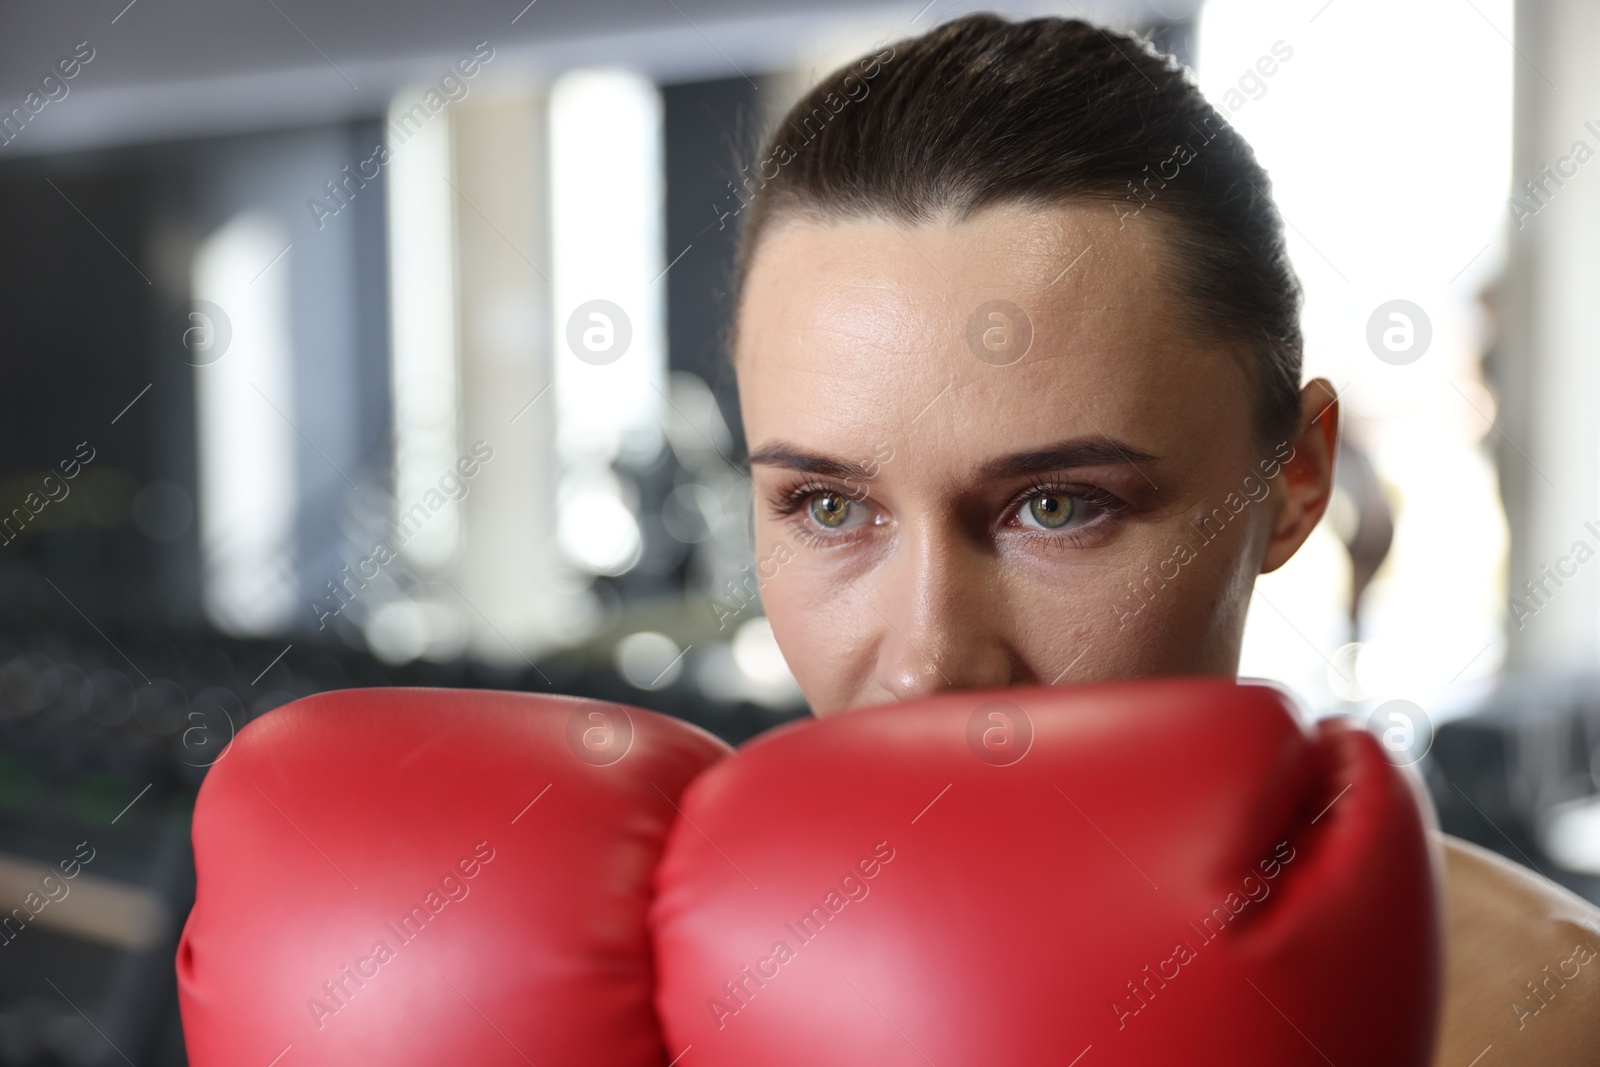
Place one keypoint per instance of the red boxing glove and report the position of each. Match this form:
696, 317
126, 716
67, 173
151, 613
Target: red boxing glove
424, 877
1173, 871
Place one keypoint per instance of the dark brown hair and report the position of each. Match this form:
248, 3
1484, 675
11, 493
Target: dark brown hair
982, 111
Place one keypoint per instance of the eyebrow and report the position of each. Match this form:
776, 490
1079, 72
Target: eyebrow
1063, 455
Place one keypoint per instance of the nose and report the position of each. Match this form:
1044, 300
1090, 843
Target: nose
942, 620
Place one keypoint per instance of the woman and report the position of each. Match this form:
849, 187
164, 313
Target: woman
1019, 362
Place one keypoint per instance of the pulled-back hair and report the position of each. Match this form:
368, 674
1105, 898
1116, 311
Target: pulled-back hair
984, 111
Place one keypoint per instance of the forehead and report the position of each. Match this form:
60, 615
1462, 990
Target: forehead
863, 331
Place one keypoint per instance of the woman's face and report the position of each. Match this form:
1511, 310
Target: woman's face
933, 512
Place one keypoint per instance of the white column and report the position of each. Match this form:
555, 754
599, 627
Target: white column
521, 597
238, 340
610, 358
422, 300
1549, 357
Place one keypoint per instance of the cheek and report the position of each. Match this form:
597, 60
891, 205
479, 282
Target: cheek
814, 623
1185, 613
1174, 634
817, 619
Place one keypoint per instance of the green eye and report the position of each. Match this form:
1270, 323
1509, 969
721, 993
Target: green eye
830, 509
1052, 510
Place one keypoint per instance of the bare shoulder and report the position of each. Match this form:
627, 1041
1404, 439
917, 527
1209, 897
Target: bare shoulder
1522, 966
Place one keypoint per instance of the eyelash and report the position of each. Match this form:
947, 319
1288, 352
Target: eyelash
787, 504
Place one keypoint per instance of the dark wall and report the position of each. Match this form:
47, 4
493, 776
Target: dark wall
711, 128
69, 230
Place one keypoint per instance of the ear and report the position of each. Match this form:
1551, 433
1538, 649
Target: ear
1306, 481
